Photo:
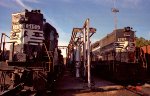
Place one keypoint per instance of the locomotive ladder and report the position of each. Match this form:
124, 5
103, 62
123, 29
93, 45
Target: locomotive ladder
49, 54
143, 59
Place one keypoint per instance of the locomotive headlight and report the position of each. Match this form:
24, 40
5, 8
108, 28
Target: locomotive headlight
127, 48
22, 19
127, 29
26, 19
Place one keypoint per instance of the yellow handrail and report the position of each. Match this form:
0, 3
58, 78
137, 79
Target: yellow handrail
48, 56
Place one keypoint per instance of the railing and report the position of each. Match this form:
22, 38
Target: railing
49, 54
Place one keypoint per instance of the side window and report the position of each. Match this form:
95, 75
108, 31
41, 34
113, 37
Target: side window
51, 40
52, 35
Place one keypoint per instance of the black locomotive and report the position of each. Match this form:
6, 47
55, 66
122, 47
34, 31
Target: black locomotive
114, 56
33, 51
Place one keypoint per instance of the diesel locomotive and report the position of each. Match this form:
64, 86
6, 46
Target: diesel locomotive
33, 51
114, 56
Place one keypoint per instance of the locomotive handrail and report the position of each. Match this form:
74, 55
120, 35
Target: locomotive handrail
143, 59
48, 55
47, 52
3, 34
2, 44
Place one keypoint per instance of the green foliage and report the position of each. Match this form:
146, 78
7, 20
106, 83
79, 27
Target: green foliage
142, 42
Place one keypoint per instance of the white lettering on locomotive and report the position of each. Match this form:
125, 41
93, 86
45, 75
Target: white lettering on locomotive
122, 39
32, 26
15, 27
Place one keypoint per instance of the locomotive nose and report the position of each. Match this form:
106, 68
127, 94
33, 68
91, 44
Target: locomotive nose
126, 43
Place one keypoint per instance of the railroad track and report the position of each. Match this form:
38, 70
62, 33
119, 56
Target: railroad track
140, 90
20, 91
106, 86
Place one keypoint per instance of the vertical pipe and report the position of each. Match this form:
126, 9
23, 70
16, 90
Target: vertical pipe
13, 45
4, 47
88, 53
84, 51
146, 56
66, 55
77, 61
1, 41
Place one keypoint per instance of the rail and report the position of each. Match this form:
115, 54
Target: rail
13, 91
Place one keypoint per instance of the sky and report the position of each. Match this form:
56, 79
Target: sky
64, 15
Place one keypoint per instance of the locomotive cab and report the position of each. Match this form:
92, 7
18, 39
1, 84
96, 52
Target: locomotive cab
34, 40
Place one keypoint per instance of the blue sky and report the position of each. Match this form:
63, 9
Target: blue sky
66, 14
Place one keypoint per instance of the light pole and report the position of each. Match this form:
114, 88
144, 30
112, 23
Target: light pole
115, 11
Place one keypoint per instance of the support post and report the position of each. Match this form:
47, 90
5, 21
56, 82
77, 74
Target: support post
3, 51
85, 44
77, 61
1, 41
84, 50
88, 53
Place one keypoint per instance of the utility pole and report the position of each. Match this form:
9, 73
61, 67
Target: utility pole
115, 11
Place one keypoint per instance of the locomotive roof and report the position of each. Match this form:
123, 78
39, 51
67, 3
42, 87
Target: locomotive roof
27, 11
50, 27
114, 32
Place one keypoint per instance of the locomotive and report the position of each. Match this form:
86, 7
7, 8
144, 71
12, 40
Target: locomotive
115, 55
34, 50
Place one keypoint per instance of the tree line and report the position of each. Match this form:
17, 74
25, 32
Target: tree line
140, 41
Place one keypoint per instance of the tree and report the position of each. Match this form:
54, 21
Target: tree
142, 42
